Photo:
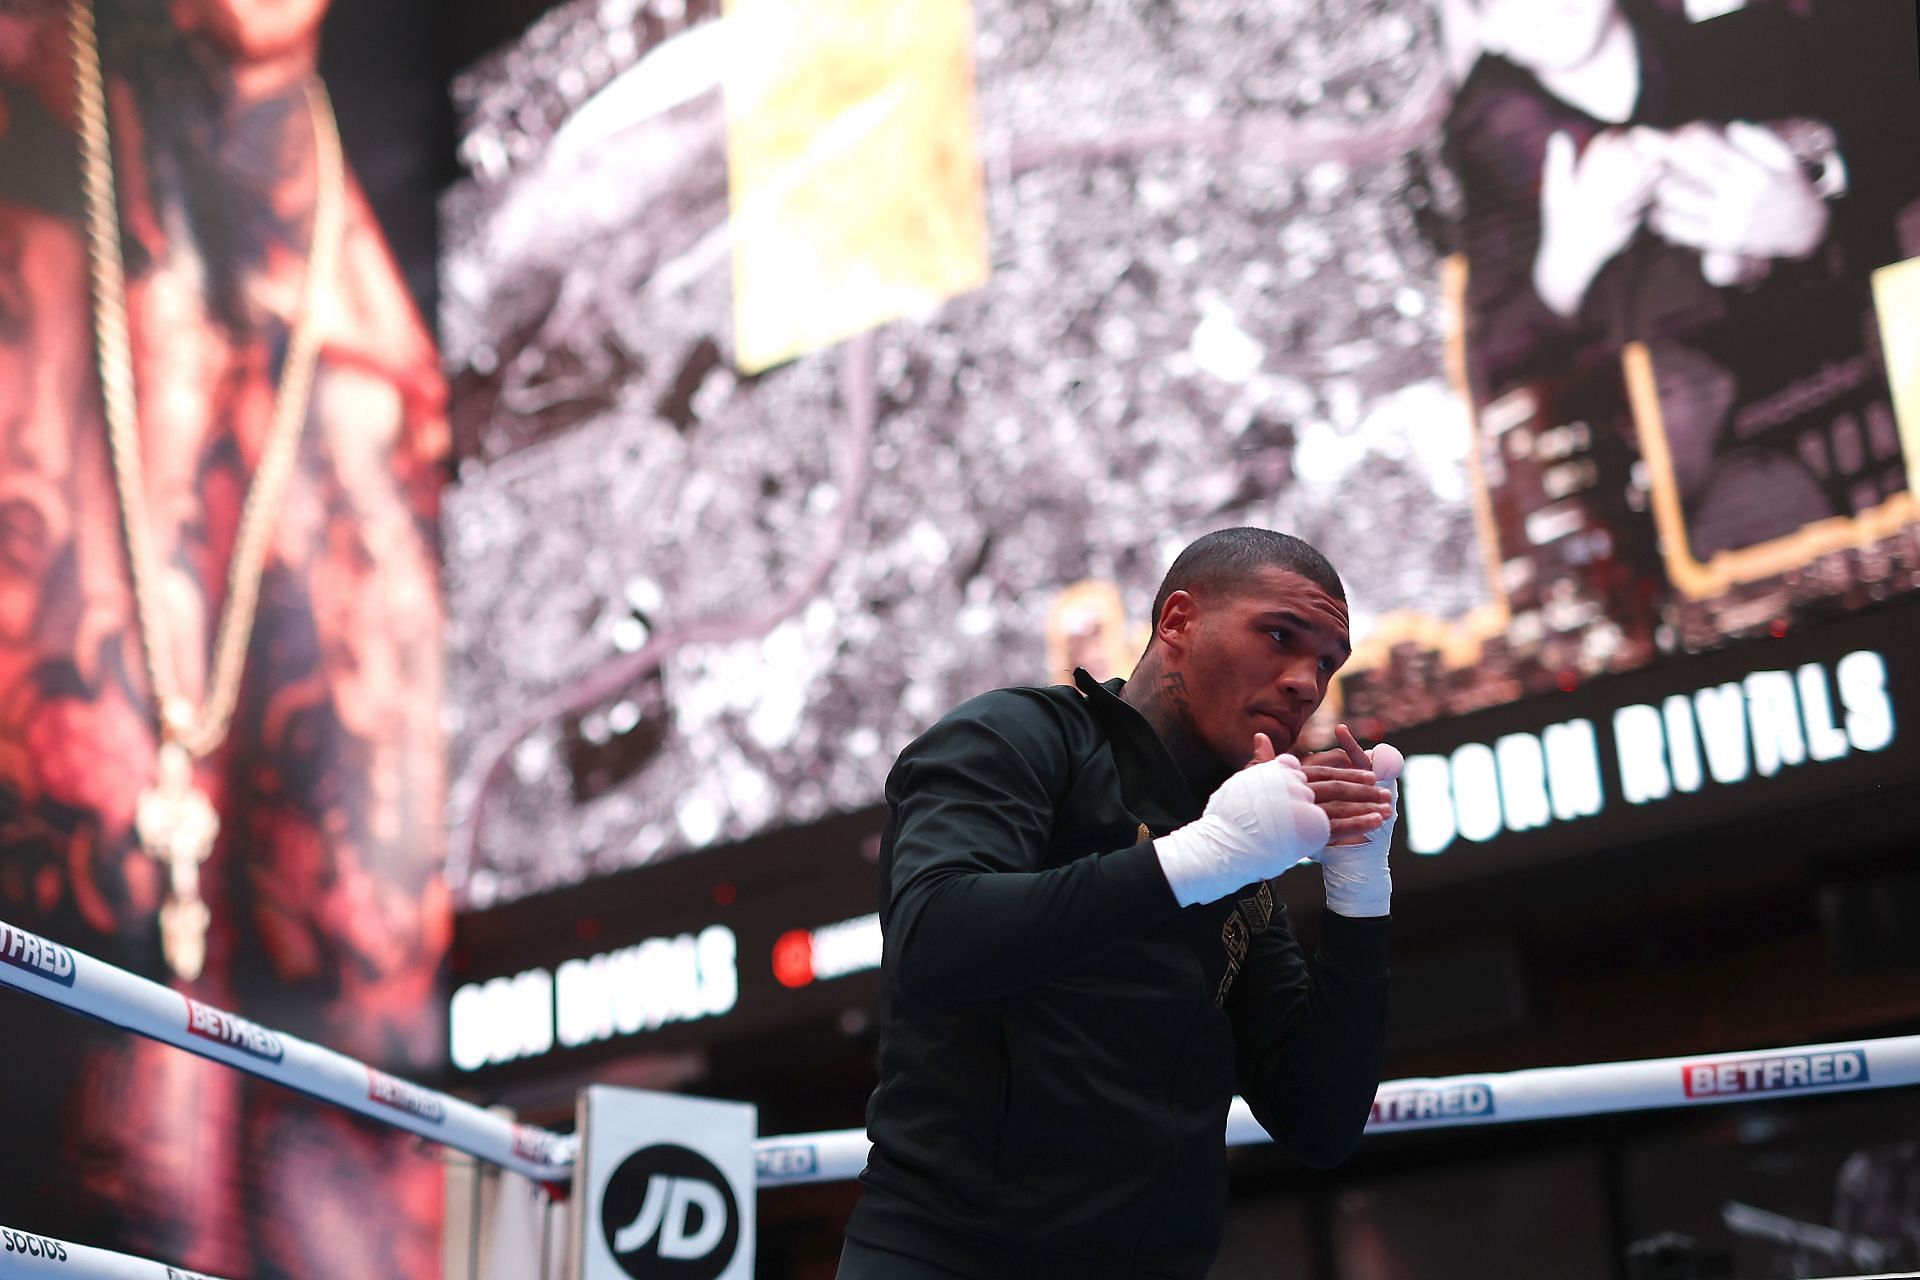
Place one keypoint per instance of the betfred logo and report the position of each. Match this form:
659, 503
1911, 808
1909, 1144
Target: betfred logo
669, 1214
1441, 1102
42, 959
389, 1091
1782, 1073
221, 1027
536, 1145
778, 1163
32, 1246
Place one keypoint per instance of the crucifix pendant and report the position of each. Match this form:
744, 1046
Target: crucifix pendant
177, 826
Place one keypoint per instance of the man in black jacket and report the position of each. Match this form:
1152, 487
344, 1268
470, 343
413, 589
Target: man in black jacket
1083, 958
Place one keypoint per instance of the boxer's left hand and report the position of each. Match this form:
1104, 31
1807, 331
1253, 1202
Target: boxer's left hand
1346, 782
1346, 786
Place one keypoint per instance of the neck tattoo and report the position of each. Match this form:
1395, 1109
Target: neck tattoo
1173, 689
1162, 697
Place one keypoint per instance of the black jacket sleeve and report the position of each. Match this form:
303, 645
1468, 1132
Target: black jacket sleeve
1495, 142
972, 911
1310, 1041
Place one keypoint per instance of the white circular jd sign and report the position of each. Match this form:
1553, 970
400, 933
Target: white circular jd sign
668, 1214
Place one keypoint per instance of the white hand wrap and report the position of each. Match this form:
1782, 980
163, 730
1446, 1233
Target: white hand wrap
1260, 822
1357, 879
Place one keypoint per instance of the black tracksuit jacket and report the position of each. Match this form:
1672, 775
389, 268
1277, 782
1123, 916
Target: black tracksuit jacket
1059, 1039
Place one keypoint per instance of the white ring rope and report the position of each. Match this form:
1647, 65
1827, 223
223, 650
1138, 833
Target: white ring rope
25, 1256
42, 1258
46, 969
1497, 1097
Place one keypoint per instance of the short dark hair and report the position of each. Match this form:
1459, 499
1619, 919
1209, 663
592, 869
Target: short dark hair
1227, 558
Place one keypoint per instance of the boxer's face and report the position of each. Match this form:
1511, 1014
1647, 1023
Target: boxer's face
1258, 659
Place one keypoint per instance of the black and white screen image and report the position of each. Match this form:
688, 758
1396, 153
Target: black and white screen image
1580, 334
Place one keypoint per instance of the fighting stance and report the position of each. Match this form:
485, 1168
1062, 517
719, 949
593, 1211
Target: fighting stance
1084, 960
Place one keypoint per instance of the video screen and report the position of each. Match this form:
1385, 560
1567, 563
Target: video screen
284, 865
811, 378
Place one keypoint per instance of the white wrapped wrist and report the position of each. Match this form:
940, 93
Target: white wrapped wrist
1357, 878
1260, 822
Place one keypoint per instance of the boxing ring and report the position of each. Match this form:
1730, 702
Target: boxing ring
73, 980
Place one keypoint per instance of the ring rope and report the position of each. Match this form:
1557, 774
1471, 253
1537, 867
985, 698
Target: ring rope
34, 965
1500, 1097
26, 1256
79, 982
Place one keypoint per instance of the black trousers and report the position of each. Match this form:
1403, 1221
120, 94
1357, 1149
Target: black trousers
865, 1262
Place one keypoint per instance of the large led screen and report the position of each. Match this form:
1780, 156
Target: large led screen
788, 412
321, 910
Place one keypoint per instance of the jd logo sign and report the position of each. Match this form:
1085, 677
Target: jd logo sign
666, 1186
668, 1214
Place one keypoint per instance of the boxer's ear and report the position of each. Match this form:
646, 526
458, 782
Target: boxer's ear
1179, 617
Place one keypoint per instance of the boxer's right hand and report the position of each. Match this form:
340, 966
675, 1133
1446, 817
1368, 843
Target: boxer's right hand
1259, 823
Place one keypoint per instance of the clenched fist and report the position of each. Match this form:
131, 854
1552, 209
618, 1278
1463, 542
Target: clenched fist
1259, 823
